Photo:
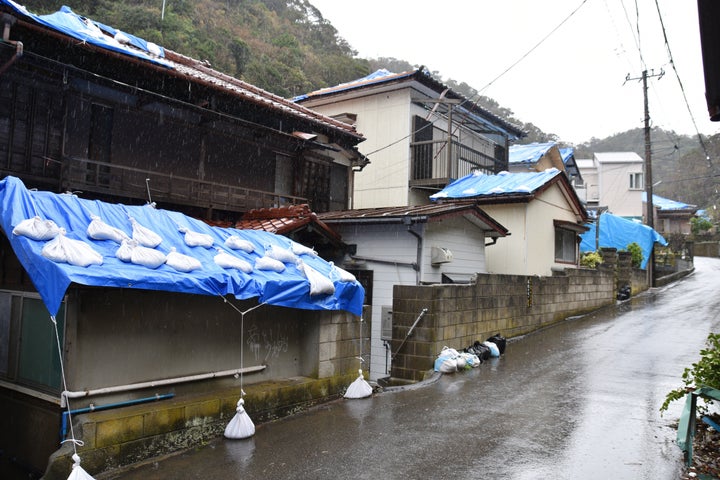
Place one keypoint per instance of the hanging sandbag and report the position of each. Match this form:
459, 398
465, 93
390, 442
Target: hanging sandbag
241, 426
78, 473
196, 239
225, 260
37, 229
74, 252
99, 230
359, 388
144, 236
236, 243
182, 263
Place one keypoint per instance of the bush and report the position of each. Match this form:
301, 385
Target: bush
590, 259
704, 373
635, 253
700, 225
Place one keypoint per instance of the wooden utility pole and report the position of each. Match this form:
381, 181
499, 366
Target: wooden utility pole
650, 211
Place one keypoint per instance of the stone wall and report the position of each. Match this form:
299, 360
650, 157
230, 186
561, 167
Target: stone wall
512, 305
707, 249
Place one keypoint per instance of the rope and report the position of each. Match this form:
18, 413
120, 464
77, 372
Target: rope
242, 335
75, 443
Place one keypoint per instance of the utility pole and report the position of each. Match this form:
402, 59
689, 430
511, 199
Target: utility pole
650, 211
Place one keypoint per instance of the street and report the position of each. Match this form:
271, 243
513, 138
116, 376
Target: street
578, 400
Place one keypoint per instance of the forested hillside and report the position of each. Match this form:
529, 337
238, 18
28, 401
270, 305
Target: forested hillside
288, 48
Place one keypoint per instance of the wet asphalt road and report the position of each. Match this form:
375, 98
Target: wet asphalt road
575, 401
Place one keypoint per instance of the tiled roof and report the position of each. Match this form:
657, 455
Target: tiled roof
284, 220
103, 39
413, 214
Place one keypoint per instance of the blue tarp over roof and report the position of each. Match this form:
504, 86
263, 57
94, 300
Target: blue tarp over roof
667, 204
94, 33
618, 232
529, 153
51, 279
504, 183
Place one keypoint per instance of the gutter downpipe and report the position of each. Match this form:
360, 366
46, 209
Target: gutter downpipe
92, 408
9, 21
408, 221
155, 383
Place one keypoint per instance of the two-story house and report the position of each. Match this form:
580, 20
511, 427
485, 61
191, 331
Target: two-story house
420, 134
613, 182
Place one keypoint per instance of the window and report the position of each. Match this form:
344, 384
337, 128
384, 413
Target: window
28, 348
636, 181
565, 246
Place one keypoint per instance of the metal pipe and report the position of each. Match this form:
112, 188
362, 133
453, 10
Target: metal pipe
155, 383
422, 314
66, 414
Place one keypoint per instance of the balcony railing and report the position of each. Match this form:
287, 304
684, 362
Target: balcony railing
430, 166
100, 177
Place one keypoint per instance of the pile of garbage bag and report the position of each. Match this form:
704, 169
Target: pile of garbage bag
451, 360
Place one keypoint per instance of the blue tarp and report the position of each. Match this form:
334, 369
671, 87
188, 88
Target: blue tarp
94, 33
529, 153
618, 232
51, 279
504, 183
662, 203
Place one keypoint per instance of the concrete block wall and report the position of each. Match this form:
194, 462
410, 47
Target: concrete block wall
340, 343
511, 305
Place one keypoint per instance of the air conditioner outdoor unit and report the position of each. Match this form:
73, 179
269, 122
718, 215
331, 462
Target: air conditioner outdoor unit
440, 255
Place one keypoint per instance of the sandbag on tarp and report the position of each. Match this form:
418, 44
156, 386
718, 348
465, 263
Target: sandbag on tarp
288, 288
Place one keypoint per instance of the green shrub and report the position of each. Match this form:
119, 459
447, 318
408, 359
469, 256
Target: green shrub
635, 253
591, 259
704, 373
700, 225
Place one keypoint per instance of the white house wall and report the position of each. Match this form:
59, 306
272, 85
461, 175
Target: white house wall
615, 193
392, 243
385, 121
530, 247
466, 242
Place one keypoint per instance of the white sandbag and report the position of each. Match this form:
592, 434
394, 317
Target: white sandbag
147, 257
300, 249
337, 273
494, 350
196, 239
75, 252
281, 254
359, 388
181, 262
267, 263
226, 260
99, 230
124, 251
241, 426
319, 283
78, 473
236, 243
37, 229
144, 236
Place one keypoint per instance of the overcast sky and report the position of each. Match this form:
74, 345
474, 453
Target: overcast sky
573, 83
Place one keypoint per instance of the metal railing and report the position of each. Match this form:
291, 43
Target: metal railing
430, 161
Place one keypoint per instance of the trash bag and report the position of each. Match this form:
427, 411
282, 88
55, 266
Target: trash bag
445, 365
144, 236
99, 230
196, 239
267, 263
300, 249
481, 350
319, 283
500, 341
182, 263
226, 260
494, 350
75, 252
281, 254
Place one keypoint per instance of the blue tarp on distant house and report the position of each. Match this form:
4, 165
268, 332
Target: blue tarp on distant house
529, 153
289, 288
617, 232
504, 183
666, 204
